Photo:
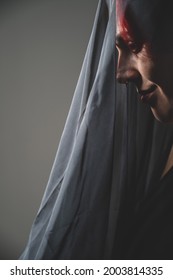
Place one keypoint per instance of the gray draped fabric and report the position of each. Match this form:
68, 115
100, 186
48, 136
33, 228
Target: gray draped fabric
106, 160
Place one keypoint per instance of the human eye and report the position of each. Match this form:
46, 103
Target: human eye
133, 46
121, 45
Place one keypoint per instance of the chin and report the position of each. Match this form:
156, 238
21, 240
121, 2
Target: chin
163, 116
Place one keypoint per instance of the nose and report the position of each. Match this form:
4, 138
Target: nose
127, 70
126, 75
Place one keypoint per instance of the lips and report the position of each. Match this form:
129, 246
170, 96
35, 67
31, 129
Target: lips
146, 95
147, 91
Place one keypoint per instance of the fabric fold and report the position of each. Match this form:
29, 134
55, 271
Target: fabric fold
97, 173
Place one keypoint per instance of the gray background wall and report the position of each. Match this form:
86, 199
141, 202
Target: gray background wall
42, 47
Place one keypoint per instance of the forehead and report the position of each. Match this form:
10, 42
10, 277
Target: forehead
127, 21
123, 25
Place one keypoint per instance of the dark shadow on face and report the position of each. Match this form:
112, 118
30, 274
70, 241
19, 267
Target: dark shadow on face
148, 21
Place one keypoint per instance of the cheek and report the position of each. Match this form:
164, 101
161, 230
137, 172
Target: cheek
146, 64
162, 71
146, 68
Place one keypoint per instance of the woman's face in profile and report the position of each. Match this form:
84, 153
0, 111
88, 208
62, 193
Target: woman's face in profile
151, 71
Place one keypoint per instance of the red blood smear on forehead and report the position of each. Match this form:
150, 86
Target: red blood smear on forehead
125, 29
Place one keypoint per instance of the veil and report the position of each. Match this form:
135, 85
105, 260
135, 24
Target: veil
111, 151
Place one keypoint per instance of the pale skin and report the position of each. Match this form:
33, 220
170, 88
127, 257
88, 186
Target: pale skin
151, 73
